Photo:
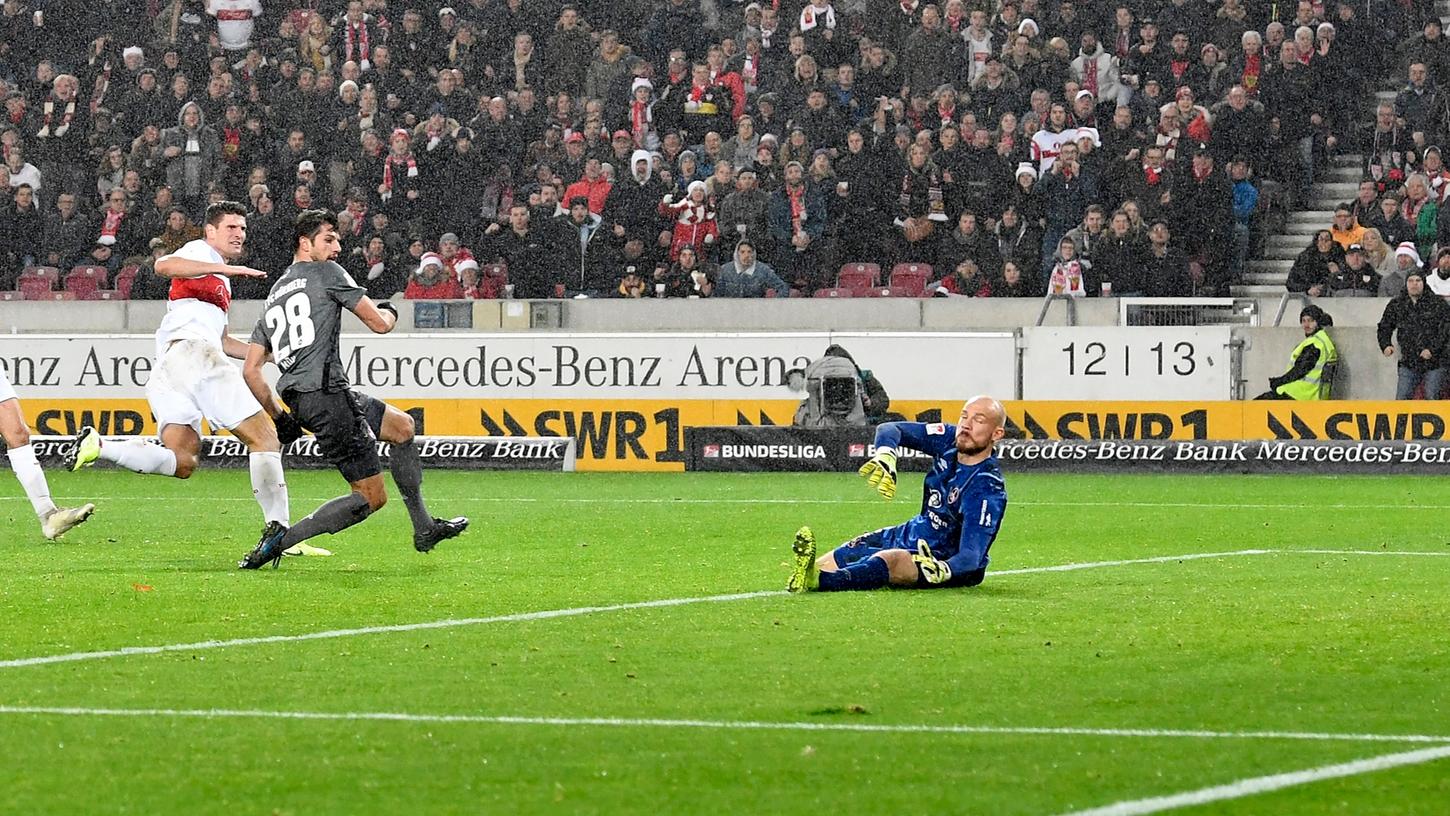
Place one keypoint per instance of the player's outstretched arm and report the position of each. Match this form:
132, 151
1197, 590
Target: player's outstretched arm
234, 348
175, 266
379, 317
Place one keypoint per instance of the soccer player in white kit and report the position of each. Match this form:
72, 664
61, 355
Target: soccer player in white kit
54, 521
192, 378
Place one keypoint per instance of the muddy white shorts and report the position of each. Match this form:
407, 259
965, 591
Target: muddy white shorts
192, 380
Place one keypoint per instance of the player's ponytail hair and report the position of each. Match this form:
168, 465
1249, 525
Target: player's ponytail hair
216, 212
309, 223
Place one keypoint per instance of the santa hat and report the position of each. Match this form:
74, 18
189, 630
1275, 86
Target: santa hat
1408, 250
695, 185
641, 82
465, 265
1089, 133
429, 259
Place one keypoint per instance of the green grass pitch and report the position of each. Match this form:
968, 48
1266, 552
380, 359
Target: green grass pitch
647, 709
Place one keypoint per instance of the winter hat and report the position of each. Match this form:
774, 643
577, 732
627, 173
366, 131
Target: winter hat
1408, 250
1028, 21
1089, 133
695, 185
1024, 167
429, 259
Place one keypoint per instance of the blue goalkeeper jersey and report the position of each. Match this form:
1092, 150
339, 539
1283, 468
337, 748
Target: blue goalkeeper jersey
961, 505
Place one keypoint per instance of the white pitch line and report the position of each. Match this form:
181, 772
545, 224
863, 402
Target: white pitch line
71, 657
1265, 784
449, 623
731, 725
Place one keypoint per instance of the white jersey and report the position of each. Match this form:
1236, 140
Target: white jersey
1046, 146
1438, 285
197, 307
234, 21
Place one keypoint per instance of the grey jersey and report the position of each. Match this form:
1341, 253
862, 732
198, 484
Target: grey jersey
300, 323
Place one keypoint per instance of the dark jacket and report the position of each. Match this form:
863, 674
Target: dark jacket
1311, 268
1419, 324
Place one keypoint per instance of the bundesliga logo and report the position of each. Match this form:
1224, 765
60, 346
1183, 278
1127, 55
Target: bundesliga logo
857, 451
712, 451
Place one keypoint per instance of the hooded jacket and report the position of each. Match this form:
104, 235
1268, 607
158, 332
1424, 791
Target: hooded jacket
191, 171
634, 204
736, 280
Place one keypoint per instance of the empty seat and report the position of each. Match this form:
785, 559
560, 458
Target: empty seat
125, 279
835, 292
910, 276
35, 288
858, 276
49, 273
102, 294
12, 296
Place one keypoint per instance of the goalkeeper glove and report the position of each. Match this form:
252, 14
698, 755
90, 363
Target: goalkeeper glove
933, 569
289, 430
387, 306
880, 472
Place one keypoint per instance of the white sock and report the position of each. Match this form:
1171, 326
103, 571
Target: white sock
140, 456
32, 478
269, 485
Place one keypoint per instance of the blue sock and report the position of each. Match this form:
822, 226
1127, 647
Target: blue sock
868, 573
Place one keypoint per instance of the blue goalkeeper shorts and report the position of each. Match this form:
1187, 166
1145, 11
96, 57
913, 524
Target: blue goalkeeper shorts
889, 538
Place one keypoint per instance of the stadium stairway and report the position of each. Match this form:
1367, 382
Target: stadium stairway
1268, 272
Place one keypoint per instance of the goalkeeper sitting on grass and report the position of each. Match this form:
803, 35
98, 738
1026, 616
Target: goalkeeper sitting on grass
946, 544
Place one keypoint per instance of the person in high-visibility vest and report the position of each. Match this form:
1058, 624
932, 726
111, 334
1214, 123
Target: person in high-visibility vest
1305, 379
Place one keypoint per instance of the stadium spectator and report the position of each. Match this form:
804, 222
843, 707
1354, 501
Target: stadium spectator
1356, 277
431, 281
745, 276
1419, 323
1316, 265
1345, 230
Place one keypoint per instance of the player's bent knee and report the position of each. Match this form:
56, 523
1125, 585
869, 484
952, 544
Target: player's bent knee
903, 570
398, 427
259, 434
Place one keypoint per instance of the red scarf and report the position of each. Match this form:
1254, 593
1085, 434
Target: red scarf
1120, 46
70, 113
1178, 66
359, 39
112, 222
1253, 66
1090, 76
1153, 174
401, 161
231, 143
639, 119
797, 198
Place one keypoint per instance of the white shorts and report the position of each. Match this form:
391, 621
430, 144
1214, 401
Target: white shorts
6, 391
192, 380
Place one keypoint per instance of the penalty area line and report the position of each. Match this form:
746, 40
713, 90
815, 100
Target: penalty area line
727, 725
1266, 784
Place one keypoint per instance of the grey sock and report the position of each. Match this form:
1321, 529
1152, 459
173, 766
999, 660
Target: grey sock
332, 517
408, 474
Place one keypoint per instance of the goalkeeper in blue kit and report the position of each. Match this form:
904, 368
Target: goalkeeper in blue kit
946, 544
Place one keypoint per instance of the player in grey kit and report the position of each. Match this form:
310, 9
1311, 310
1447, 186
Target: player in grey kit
299, 329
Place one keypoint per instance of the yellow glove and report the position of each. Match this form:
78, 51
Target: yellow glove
880, 473
934, 570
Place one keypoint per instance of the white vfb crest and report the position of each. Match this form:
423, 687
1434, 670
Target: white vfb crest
933, 499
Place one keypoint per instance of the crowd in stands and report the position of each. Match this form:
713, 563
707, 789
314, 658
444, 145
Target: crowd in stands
723, 148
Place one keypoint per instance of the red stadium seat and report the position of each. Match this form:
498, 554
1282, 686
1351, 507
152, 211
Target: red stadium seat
102, 294
125, 279
49, 273
12, 296
910, 276
50, 295
85, 279
35, 288
858, 276
835, 292
492, 279
892, 291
